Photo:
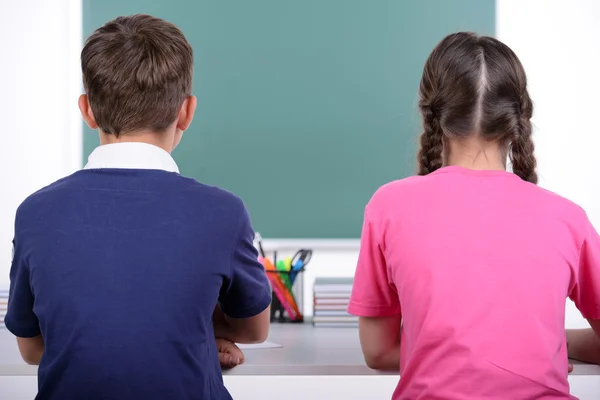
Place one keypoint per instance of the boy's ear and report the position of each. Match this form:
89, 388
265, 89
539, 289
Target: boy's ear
186, 113
86, 112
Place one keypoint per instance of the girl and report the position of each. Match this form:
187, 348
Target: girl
464, 270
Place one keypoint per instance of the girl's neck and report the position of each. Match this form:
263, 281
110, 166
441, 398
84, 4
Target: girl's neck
473, 153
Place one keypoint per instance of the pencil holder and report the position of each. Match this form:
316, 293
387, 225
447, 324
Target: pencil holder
287, 300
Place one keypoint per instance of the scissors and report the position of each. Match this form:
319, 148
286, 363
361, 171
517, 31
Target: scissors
301, 258
299, 262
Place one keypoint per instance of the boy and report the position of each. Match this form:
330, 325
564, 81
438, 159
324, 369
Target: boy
117, 268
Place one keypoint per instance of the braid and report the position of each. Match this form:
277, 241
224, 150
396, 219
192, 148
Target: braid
432, 142
476, 87
522, 147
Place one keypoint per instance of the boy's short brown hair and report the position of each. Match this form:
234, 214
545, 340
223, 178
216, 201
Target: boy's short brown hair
137, 71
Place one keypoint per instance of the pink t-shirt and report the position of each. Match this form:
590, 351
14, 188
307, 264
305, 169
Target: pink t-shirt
479, 264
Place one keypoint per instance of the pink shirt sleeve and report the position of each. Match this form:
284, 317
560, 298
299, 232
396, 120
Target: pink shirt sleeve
586, 291
373, 292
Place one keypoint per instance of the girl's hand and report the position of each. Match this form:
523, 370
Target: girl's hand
570, 365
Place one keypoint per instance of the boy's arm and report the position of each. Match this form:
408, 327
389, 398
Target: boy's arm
584, 344
243, 312
20, 318
242, 330
31, 349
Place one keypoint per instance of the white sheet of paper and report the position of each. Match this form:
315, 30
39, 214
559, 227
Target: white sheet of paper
265, 345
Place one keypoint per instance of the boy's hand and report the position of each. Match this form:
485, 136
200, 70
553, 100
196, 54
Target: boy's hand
229, 354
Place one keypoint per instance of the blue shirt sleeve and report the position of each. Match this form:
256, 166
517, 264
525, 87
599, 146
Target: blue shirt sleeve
246, 292
20, 318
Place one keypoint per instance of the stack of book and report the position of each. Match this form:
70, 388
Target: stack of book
331, 297
3, 306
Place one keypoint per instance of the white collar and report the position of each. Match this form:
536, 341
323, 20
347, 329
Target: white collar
131, 155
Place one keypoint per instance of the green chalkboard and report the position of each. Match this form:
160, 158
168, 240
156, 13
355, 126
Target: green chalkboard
304, 107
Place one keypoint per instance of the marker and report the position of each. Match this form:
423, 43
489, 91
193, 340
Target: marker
288, 263
285, 277
297, 267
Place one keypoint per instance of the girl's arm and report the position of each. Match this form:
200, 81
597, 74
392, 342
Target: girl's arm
380, 341
584, 344
375, 302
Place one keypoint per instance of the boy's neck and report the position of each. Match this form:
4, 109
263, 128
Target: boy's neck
163, 140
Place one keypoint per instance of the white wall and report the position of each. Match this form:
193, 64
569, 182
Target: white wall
558, 41
39, 86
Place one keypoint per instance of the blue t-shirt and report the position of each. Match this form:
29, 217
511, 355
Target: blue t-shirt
120, 270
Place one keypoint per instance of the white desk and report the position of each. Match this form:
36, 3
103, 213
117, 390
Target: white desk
314, 363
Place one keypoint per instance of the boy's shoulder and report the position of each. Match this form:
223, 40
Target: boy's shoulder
216, 195
66, 191
40, 197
